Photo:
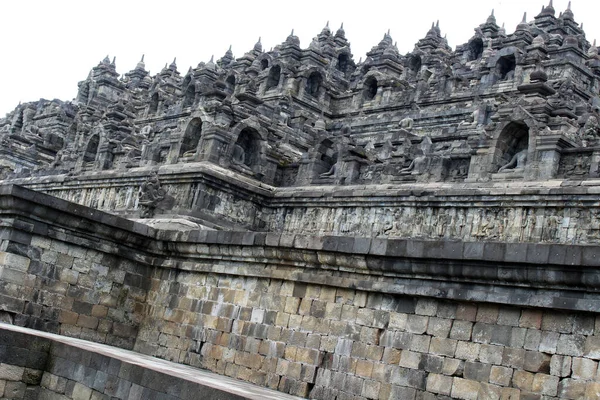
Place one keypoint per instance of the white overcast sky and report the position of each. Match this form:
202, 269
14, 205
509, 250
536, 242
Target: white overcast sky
49, 45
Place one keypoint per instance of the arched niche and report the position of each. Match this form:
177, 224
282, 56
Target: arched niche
414, 64
191, 138
370, 88
326, 158
247, 148
273, 78
91, 149
189, 96
264, 64
342, 62
505, 67
153, 108
230, 84
513, 139
475, 49
313, 84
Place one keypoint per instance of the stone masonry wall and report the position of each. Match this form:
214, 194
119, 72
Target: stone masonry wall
318, 316
74, 291
22, 363
325, 342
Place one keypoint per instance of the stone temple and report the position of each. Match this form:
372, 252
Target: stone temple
418, 226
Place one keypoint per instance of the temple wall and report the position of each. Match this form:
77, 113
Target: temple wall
317, 317
554, 211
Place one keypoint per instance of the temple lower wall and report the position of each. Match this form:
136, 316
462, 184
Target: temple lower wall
555, 211
312, 316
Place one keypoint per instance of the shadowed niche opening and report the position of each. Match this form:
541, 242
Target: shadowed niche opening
191, 138
513, 139
506, 67
313, 84
342, 64
153, 104
273, 78
475, 49
91, 149
246, 150
370, 88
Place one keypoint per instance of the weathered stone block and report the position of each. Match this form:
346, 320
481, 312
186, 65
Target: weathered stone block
571, 345
537, 362
439, 384
583, 368
501, 375
443, 347
465, 389
467, 351
545, 384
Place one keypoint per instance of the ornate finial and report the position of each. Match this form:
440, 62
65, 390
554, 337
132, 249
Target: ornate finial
492, 12
175, 60
437, 24
550, 4
432, 24
212, 58
292, 34
327, 25
388, 32
142, 60
594, 43
229, 48
524, 18
114, 59
569, 5
259, 40
342, 26
581, 26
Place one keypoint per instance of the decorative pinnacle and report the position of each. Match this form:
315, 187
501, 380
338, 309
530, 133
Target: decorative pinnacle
327, 25
492, 14
114, 59
142, 60
388, 32
524, 18
292, 34
342, 26
550, 4
437, 24
569, 5
259, 38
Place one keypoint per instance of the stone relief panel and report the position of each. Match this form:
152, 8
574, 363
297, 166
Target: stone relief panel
469, 223
574, 166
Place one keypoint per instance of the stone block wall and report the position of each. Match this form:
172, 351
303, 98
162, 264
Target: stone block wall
313, 316
63, 288
22, 363
324, 342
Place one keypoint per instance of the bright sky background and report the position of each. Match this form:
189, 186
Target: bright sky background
50, 45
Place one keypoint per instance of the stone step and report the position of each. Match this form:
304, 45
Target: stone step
95, 371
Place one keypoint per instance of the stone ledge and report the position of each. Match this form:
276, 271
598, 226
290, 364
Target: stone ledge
150, 375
